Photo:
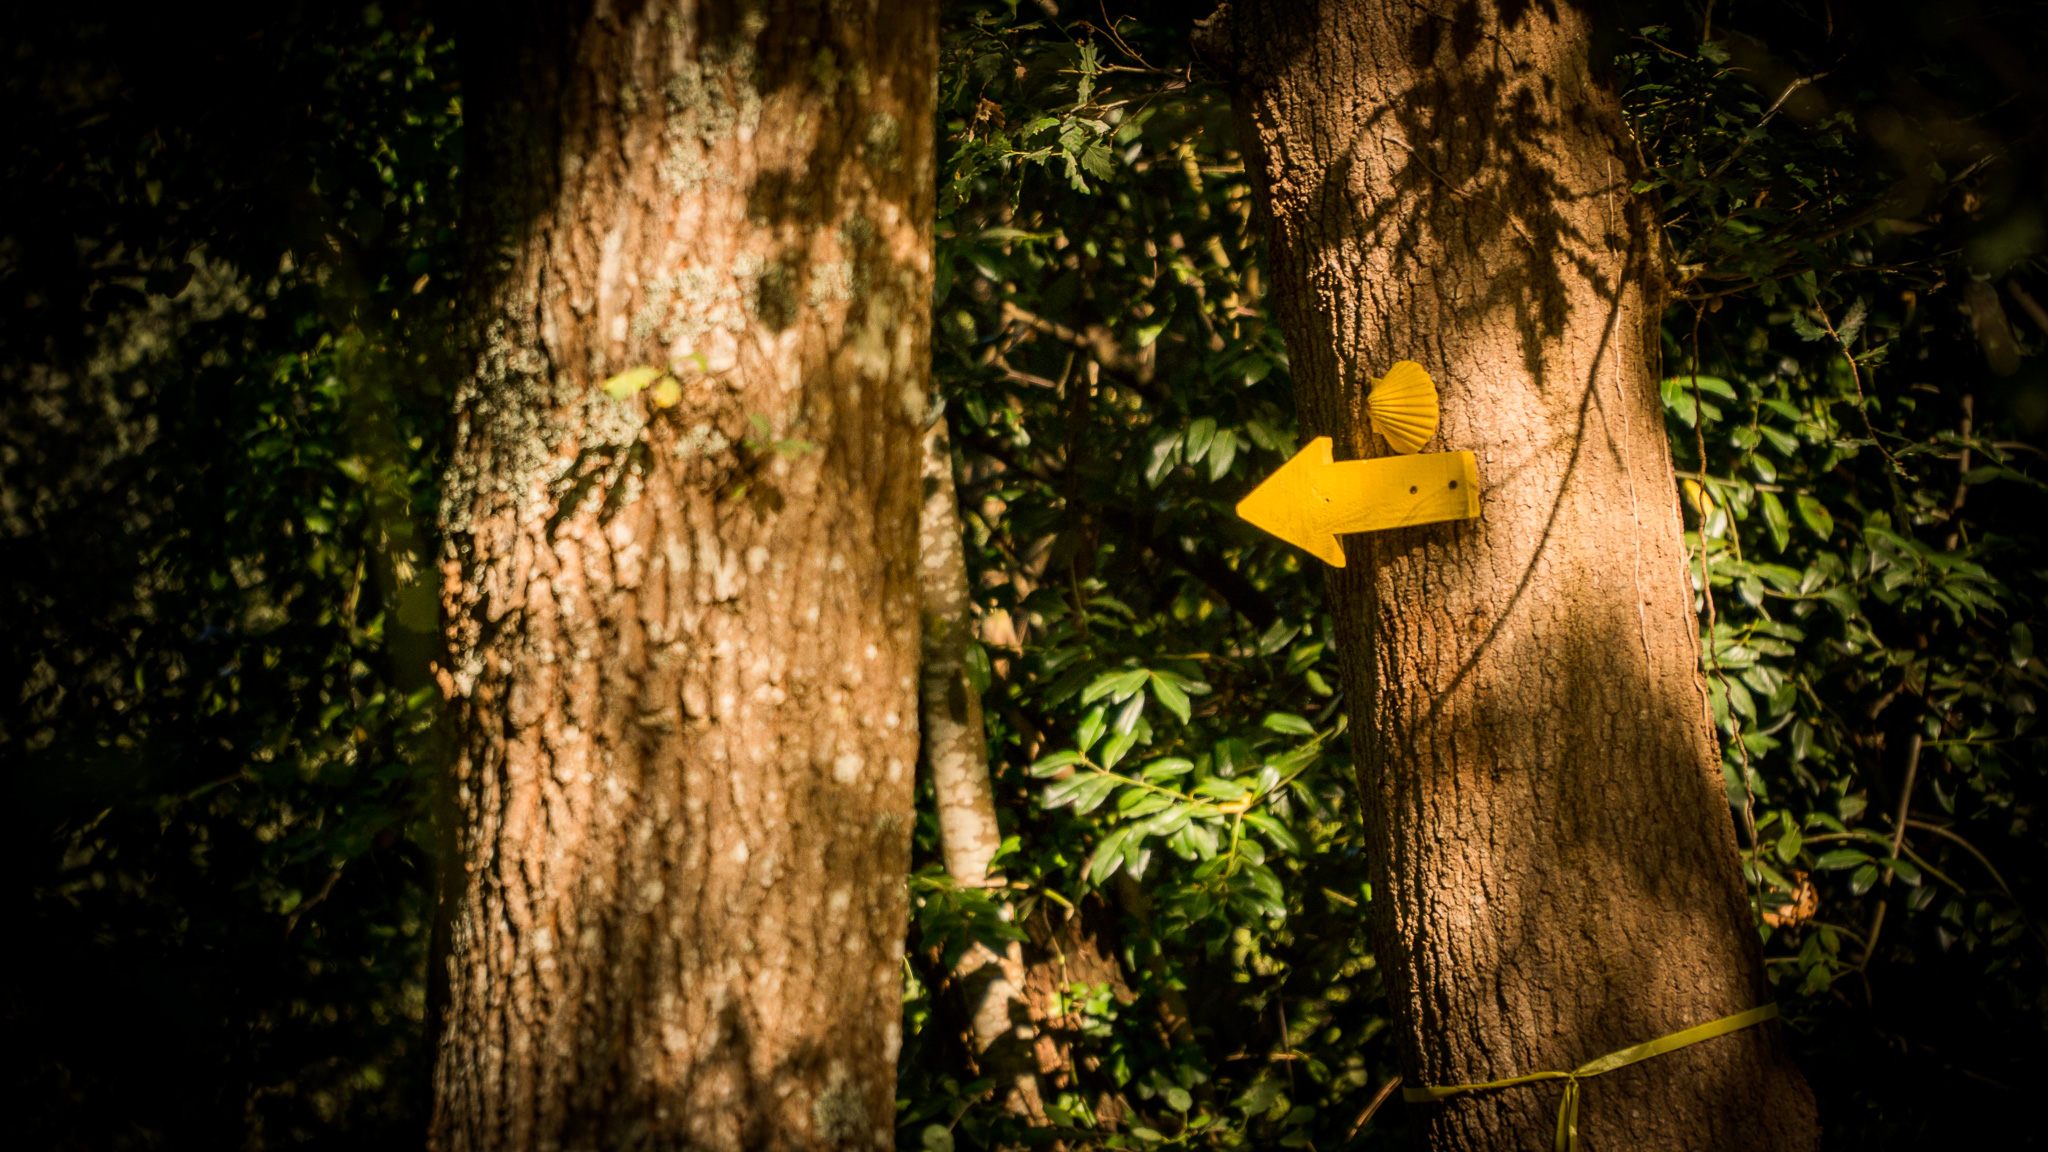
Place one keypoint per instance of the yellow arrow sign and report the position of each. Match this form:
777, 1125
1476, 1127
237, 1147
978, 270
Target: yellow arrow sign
1312, 499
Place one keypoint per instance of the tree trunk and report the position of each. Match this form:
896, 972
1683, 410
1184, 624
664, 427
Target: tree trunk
1555, 870
1001, 1025
683, 620
955, 744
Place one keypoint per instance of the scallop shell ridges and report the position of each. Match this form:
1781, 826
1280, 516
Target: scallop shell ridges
1403, 407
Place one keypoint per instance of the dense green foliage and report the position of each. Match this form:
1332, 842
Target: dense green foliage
218, 231
225, 285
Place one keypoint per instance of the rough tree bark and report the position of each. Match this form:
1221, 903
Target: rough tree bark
1001, 1022
683, 624
1555, 868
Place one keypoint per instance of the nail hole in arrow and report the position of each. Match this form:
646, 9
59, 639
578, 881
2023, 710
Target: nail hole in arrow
1454, 483
1411, 490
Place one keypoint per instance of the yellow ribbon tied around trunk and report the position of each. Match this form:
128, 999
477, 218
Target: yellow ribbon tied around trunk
1568, 1109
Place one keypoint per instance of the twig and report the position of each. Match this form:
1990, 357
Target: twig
1944, 832
1794, 86
1378, 1098
292, 921
1898, 837
2028, 304
1856, 378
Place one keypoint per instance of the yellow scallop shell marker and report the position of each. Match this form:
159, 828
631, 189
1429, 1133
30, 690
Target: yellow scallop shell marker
1403, 408
1315, 498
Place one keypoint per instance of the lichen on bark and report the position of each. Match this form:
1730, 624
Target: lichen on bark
682, 657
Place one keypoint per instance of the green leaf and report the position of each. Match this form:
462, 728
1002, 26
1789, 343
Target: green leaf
1201, 432
1091, 728
1852, 322
1774, 516
1051, 765
979, 672
1707, 385
1177, 1098
1098, 160
1816, 516
1223, 788
1222, 453
936, 1138
1275, 831
1109, 855
1165, 454
1864, 877
1118, 686
1062, 793
1094, 790
1167, 768
1806, 328
1839, 858
1289, 723
1169, 694
1259, 1097
1276, 637
1127, 716
1789, 844
1117, 746
1904, 869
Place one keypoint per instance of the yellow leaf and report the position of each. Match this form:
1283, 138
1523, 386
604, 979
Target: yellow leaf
665, 392
630, 381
